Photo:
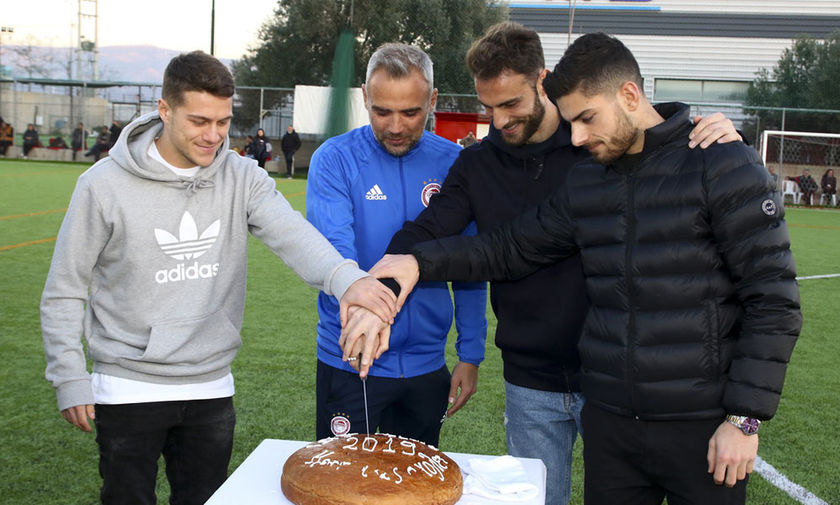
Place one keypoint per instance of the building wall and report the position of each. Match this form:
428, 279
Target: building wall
725, 41
826, 7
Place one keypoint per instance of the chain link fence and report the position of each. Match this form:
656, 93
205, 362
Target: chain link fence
56, 107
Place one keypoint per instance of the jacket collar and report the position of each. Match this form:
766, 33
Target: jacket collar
561, 138
676, 124
677, 119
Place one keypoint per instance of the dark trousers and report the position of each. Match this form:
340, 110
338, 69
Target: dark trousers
635, 462
195, 438
412, 407
27, 148
290, 159
96, 151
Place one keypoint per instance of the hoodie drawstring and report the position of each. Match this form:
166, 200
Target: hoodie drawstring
195, 184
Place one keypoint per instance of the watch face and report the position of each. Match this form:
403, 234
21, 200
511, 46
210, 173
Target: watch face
750, 426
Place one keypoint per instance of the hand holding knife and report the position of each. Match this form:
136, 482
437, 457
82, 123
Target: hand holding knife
364, 338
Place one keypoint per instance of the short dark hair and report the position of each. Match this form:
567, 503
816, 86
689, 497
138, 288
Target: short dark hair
196, 71
595, 63
506, 46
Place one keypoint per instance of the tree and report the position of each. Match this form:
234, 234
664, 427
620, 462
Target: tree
805, 76
297, 44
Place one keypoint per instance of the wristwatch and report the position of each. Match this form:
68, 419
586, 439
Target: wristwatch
749, 425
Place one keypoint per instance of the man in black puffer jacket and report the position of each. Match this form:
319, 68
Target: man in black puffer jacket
694, 304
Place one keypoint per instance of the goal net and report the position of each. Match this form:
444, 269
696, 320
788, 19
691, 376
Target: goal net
788, 153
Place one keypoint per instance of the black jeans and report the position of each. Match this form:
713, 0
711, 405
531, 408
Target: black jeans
412, 407
290, 159
634, 462
195, 438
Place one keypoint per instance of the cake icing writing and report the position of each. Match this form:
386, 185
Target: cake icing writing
433, 466
323, 459
360, 469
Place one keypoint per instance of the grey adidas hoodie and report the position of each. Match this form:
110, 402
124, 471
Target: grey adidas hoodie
150, 268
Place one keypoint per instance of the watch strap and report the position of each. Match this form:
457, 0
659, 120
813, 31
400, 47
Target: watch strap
748, 425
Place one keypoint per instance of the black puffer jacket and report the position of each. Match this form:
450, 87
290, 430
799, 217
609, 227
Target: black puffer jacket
695, 307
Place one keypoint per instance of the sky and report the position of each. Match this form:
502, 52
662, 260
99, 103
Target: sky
183, 25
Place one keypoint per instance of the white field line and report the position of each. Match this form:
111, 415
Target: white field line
825, 276
795, 491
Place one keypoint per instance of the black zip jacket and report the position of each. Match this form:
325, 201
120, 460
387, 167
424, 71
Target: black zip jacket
540, 316
695, 307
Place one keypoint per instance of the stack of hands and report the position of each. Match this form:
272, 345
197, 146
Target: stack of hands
368, 309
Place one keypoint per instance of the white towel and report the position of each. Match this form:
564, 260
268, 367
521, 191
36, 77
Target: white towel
502, 478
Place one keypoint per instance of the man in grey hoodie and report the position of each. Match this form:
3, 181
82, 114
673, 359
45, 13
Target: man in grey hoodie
150, 268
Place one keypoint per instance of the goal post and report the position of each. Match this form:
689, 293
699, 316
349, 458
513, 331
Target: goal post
788, 153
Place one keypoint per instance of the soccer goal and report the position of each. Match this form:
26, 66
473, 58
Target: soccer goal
789, 154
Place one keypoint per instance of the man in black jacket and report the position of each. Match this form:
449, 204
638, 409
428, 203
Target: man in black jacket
525, 157
290, 143
694, 305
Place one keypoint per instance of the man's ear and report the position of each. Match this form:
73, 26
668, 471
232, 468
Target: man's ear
630, 96
433, 100
163, 110
365, 97
540, 90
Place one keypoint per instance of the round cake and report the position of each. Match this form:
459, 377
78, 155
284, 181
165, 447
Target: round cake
371, 469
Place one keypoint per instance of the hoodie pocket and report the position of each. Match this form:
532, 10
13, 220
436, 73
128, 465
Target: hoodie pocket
199, 342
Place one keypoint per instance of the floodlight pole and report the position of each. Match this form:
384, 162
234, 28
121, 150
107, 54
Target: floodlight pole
212, 26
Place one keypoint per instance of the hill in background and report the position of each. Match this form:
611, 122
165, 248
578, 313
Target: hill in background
116, 63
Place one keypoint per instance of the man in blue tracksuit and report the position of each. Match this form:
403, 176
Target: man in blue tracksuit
362, 187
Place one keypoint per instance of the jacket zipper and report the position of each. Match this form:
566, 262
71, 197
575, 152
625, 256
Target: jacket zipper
405, 218
628, 279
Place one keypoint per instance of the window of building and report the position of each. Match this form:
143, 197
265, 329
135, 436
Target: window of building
689, 90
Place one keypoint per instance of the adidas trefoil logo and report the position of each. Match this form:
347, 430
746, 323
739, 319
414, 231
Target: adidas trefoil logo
375, 193
188, 245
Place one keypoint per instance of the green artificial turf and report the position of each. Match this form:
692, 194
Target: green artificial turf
47, 461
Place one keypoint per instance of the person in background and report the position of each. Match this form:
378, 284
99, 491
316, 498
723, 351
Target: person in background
7, 136
248, 147
101, 145
259, 148
149, 270
30, 140
828, 183
807, 185
774, 175
361, 187
79, 139
290, 143
468, 140
114, 133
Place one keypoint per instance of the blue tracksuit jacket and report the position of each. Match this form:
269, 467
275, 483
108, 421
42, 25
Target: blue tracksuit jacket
358, 195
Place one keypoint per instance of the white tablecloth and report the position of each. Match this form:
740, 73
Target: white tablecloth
257, 480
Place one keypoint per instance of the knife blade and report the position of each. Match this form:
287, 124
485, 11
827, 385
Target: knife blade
364, 393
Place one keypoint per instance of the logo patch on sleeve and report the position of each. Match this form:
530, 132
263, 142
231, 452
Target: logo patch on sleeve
769, 207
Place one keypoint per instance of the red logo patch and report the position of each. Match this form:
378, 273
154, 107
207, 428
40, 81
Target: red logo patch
340, 426
430, 188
